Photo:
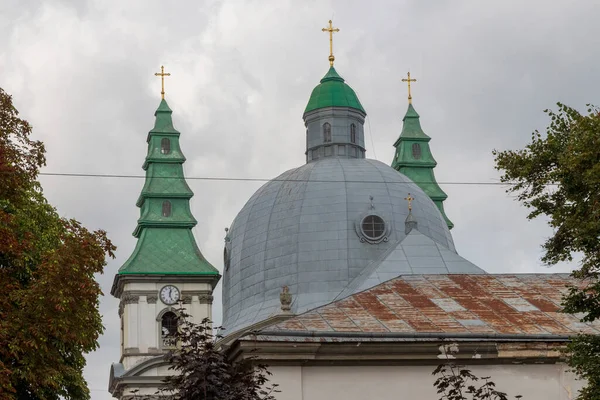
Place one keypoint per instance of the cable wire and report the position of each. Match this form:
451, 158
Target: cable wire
229, 179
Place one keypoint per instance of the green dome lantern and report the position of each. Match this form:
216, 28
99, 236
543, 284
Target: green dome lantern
333, 92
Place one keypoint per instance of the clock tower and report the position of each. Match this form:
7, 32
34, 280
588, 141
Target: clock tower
165, 270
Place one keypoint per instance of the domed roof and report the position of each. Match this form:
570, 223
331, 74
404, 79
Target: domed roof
325, 229
333, 92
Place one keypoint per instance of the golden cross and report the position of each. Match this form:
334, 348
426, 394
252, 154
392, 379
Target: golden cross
409, 81
409, 198
331, 29
162, 79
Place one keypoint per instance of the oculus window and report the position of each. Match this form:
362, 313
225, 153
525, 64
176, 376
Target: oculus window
373, 227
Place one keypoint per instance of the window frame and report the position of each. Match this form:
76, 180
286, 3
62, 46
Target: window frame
160, 319
417, 152
167, 209
326, 132
165, 146
375, 220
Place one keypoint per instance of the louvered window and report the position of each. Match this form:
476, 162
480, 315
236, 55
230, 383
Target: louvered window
166, 208
165, 146
416, 151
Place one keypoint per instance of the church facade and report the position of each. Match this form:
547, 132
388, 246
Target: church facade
341, 275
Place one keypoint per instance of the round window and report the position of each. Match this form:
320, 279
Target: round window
373, 227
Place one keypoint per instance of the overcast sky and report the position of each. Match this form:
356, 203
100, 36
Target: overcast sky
242, 71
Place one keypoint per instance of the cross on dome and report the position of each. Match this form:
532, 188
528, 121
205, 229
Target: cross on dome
331, 29
409, 199
162, 80
409, 81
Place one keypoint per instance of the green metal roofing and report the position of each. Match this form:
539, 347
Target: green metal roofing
413, 158
333, 92
412, 125
166, 244
169, 251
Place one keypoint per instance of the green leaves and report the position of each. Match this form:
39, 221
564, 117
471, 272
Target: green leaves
49, 308
456, 382
204, 372
558, 175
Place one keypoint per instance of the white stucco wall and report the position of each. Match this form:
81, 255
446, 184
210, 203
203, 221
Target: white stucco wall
533, 382
141, 330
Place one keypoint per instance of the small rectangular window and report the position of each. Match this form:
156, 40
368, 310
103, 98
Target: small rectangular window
416, 151
328, 151
341, 150
326, 132
165, 146
166, 208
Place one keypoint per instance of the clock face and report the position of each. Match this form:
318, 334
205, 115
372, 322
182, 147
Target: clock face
169, 294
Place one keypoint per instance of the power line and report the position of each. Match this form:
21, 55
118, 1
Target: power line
227, 179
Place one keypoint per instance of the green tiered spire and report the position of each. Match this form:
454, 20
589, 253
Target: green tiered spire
166, 244
413, 158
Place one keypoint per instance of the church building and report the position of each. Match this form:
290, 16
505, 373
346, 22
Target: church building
340, 274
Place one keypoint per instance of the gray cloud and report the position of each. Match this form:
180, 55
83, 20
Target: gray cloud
82, 73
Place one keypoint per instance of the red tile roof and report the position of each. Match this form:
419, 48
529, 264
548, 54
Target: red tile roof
470, 304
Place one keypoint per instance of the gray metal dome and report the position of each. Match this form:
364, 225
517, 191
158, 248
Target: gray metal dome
305, 230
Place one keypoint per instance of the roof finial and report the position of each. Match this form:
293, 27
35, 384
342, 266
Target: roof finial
409, 198
285, 297
331, 29
162, 80
410, 223
409, 81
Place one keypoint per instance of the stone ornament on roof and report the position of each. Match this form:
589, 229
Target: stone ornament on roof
285, 297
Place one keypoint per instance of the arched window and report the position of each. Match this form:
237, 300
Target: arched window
416, 151
168, 327
326, 132
165, 146
166, 208
352, 133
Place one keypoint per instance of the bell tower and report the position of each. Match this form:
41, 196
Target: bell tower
166, 269
414, 159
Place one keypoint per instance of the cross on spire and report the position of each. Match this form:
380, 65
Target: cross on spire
409, 198
331, 29
409, 81
162, 80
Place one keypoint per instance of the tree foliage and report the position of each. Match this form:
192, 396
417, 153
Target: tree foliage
557, 175
203, 372
456, 382
49, 314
